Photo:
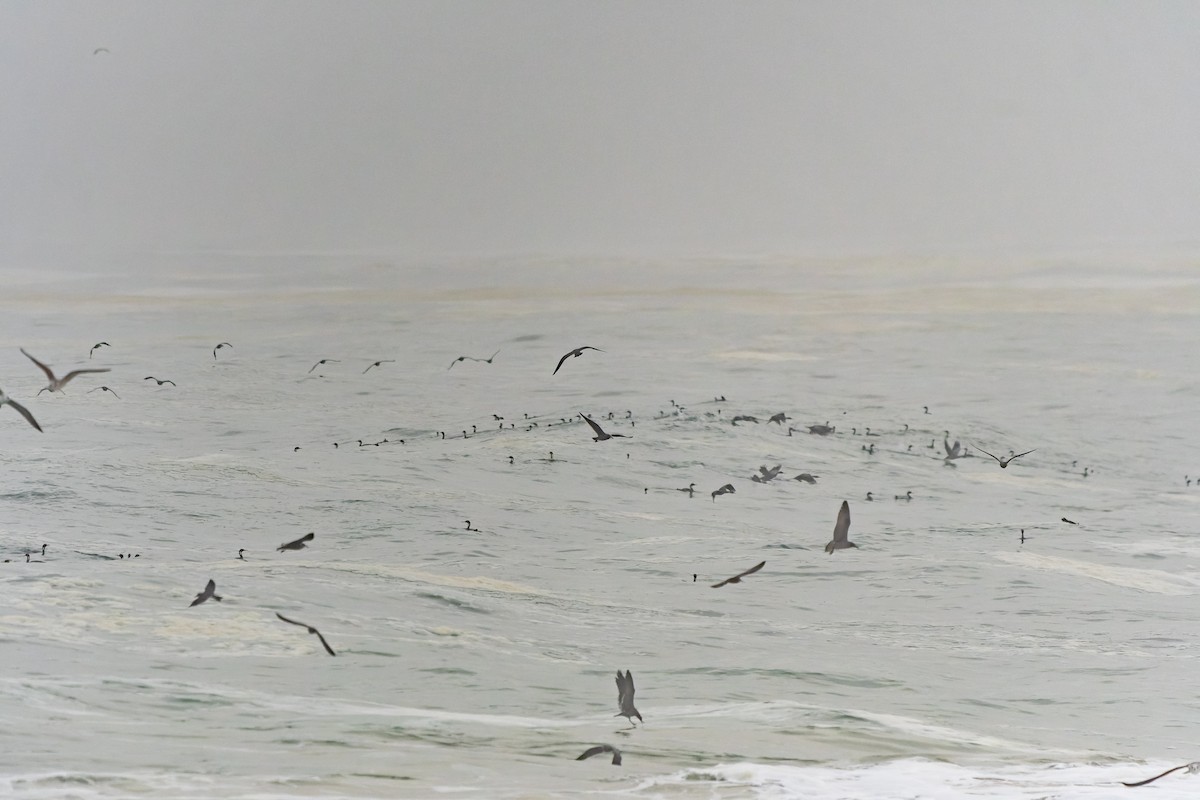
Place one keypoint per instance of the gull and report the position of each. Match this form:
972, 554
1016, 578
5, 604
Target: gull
1004, 462
56, 384
471, 358
104, 389
159, 382
323, 361
377, 363
951, 452
97, 344
841, 531
577, 352
625, 697
602, 748
726, 489
1191, 768
806, 477
600, 434
5, 400
209, 592
311, 629
298, 544
738, 578
218, 347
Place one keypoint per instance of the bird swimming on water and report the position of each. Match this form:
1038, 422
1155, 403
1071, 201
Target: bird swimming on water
311, 629
5, 400
210, 591
577, 352
738, 578
56, 384
600, 434
625, 698
298, 544
841, 531
602, 748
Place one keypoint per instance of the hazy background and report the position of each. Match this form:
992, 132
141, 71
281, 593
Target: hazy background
582, 128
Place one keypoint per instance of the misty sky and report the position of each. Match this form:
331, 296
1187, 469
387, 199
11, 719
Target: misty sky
598, 127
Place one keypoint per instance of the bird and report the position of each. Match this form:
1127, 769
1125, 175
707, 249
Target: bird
1191, 768
906, 496
472, 358
769, 474
311, 629
29, 560
738, 578
870, 499
1023, 536
323, 361
951, 452
743, 418
726, 489
377, 363
298, 544
690, 489
778, 419
602, 748
625, 697
820, 430
1069, 521
841, 531
159, 382
218, 347
5, 400
56, 384
473, 530
97, 344
1004, 462
210, 591
100, 50
600, 434
240, 556
104, 389
577, 352
806, 477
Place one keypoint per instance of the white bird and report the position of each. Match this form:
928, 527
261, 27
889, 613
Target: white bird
5, 400
56, 384
841, 531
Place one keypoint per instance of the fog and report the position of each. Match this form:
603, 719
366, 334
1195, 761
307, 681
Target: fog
418, 128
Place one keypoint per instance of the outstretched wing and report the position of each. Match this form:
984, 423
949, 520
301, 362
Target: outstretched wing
985, 452
49, 372
73, 373
1018, 455
324, 643
841, 531
560, 362
599, 431
24, 412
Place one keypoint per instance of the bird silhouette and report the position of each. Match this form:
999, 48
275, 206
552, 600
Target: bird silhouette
577, 352
311, 629
738, 578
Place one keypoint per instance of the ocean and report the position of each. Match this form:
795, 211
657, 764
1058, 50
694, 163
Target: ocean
942, 658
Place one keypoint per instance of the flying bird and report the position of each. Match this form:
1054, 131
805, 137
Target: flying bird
471, 358
100, 50
806, 477
841, 531
311, 629
160, 383
625, 698
56, 384
97, 344
210, 591
298, 544
726, 489
1004, 462
104, 389
577, 352
1191, 768
951, 452
323, 361
218, 347
738, 578
602, 748
5, 400
778, 419
377, 363
600, 434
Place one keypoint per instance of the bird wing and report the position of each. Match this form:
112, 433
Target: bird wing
1148, 780
753, 569
1018, 455
560, 361
49, 372
24, 412
592, 751
314, 366
324, 643
73, 373
307, 538
489, 360
841, 531
291, 621
985, 452
599, 431
722, 583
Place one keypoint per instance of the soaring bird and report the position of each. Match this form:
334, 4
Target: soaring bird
218, 347
56, 384
97, 344
600, 434
577, 352
5, 400
377, 363
472, 358
323, 361
625, 697
1004, 462
298, 544
311, 629
602, 748
159, 382
806, 477
738, 578
841, 531
726, 489
105, 389
210, 591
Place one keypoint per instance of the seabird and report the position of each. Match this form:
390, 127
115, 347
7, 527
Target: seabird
869, 498
1022, 536
726, 489
1192, 768
159, 382
311, 629
474, 530
218, 347
5, 400
770, 474
97, 344
738, 578
471, 358
100, 50
806, 477
602, 748
1004, 462
29, 560
778, 419
56, 384
600, 434
377, 363
323, 361
577, 352
820, 430
690, 489
209, 592
298, 544
240, 556
841, 531
104, 389
743, 418
1069, 521
625, 697
951, 452
906, 496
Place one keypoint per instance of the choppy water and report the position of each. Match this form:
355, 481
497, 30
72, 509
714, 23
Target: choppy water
942, 659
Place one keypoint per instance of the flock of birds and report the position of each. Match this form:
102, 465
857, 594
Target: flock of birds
624, 679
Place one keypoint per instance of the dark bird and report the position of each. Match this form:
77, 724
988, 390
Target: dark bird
240, 556
218, 347
377, 363
690, 489
806, 477
602, 748
29, 560
298, 544
738, 578
100, 50
726, 489
5, 400
472, 358
906, 496
600, 434
104, 389
625, 697
743, 418
210, 591
56, 384
311, 629
323, 361
577, 352
841, 531
1069, 521
1022, 536
820, 430
97, 344
778, 419
159, 382
1192, 768
1004, 462
473, 530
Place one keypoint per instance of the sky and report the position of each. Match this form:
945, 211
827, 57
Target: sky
598, 128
